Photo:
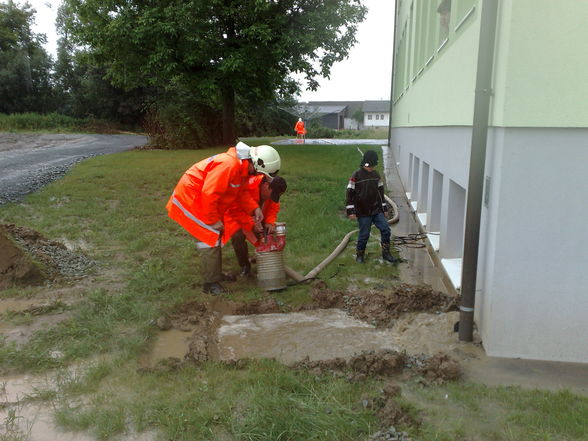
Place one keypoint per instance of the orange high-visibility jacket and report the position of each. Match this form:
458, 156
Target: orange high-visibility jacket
236, 219
206, 191
299, 127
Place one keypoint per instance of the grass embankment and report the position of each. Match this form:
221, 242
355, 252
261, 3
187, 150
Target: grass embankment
52, 123
116, 204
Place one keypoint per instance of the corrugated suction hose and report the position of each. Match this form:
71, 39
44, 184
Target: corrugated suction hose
342, 245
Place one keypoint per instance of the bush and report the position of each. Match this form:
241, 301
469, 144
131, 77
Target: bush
318, 131
173, 127
53, 122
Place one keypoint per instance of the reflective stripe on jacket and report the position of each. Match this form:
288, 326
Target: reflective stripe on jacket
205, 192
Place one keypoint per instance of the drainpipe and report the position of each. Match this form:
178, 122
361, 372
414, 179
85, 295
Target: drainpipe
477, 167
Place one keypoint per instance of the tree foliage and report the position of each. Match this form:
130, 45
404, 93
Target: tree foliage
219, 53
25, 66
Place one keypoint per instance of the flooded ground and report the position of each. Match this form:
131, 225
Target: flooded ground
173, 343
318, 335
329, 141
329, 333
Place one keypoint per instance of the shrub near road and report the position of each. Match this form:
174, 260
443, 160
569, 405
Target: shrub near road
113, 207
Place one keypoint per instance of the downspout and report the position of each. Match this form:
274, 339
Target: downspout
393, 74
477, 167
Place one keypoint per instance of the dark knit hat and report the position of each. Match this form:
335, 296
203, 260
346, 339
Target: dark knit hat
370, 159
278, 186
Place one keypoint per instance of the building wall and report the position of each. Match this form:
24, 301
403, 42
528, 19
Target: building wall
441, 151
330, 120
533, 303
541, 69
383, 119
442, 94
530, 299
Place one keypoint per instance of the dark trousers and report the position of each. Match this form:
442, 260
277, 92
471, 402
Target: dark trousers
241, 249
365, 224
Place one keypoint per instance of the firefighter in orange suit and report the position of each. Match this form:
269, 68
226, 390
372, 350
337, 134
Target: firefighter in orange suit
240, 226
206, 191
299, 128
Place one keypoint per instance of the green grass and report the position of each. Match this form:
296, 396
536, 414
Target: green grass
263, 401
148, 264
116, 203
52, 123
476, 412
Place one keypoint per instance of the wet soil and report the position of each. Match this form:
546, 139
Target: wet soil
27, 258
385, 309
381, 308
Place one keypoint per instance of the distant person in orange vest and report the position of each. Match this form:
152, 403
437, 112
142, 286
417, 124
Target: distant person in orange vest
241, 226
207, 190
300, 130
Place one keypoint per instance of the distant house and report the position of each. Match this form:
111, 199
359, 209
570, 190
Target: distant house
376, 114
327, 115
351, 107
342, 114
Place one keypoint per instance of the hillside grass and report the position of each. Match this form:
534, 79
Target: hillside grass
147, 264
53, 123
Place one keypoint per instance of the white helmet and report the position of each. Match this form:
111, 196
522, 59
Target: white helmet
243, 150
265, 159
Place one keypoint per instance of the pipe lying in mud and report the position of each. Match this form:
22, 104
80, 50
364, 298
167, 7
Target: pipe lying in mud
299, 278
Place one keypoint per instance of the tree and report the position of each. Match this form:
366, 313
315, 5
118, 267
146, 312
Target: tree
216, 50
358, 116
25, 66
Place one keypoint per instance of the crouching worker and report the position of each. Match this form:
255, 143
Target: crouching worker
366, 203
266, 190
207, 190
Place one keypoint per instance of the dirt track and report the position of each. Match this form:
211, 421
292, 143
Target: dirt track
30, 161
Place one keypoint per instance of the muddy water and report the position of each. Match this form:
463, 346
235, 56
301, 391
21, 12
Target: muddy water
173, 343
34, 421
329, 333
16, 305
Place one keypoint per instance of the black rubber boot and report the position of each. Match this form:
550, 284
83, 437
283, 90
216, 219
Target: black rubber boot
246, 271
386, 255
360, 256
214, 288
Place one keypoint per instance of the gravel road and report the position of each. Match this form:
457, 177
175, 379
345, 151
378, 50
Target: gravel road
31, 161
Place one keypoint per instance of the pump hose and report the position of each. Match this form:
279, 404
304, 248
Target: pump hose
299, 278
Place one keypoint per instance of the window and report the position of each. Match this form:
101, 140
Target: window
377, 117
444, 11
370, 117
382, 117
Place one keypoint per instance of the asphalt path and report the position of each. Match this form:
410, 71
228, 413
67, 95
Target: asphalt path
25, 167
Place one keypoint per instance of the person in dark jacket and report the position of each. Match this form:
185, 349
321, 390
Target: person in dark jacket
366, 203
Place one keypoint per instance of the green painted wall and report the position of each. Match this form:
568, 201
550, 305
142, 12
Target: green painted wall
443, 94
541, 68
541, 71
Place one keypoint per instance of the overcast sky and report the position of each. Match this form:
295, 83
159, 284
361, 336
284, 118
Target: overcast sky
365, 75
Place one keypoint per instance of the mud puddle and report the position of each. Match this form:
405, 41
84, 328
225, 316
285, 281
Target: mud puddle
173, 343
36, 422
18, 305
318, 335
411, 318
331, 333
24, 418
